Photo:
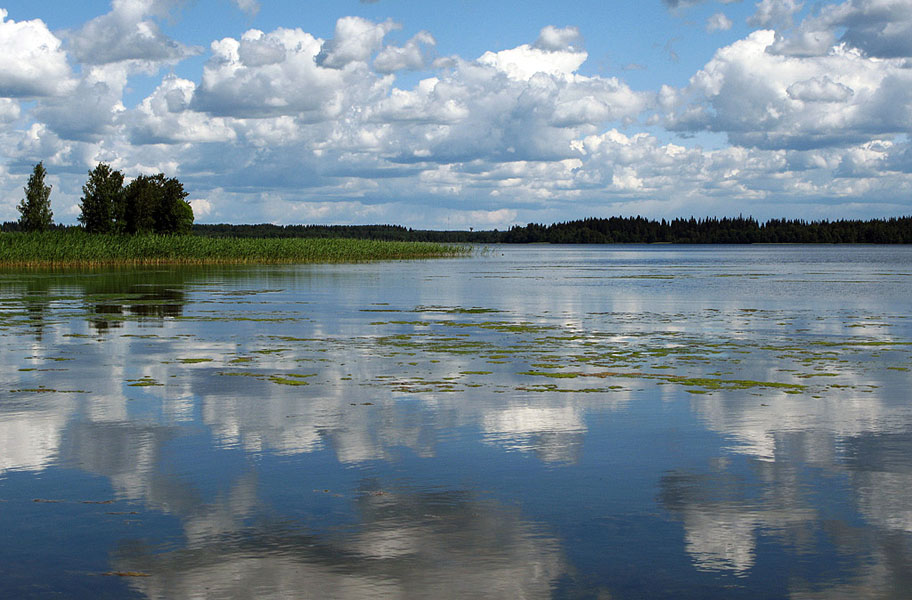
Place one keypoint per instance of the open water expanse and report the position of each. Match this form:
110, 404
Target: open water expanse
531, 422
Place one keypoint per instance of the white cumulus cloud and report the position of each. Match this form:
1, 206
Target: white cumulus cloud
774, 13
558, 38
877, 28
251, 7
718, 22
277, 74
760, 98
418, 53
355, 40
32, 61
127, 34
524, 61
166, 117
90, 109
819, 89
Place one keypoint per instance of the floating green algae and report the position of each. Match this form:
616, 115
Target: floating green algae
693, 382
475, 310
291, 378
733, 384
143, 382
44, 390
554, 375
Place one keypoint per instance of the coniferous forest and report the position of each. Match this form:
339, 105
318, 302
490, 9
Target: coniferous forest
614, 230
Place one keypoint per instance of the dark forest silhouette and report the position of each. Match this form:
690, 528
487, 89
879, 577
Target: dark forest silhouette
614, 230
711, 230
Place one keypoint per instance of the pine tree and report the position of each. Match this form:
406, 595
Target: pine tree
35, 208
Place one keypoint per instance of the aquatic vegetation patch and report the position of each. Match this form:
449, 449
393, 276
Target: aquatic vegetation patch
513, 327
290, 379
45, 390
553, 387
143, 382
551, 374
457, 310
420, 385
732, 384
694, 382
871, 343
245, 292
293, 379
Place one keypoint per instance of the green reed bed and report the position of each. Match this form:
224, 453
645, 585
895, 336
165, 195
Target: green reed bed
76, 248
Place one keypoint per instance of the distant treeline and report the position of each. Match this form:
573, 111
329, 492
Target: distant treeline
615, 230
396, 233
624, 230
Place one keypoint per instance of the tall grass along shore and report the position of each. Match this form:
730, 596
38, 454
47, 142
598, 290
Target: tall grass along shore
77, 248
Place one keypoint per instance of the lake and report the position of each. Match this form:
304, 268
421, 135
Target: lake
530, 422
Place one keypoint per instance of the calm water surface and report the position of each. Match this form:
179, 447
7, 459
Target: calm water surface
538, 422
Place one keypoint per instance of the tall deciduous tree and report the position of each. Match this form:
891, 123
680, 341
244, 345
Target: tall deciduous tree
102, 199
35, 208
141, 200
174, 213
156, 204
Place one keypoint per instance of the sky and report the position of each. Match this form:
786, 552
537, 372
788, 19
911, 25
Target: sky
465, 113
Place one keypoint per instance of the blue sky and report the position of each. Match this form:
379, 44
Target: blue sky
466, 113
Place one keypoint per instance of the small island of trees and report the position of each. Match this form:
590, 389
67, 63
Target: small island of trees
150, 222
149, 204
